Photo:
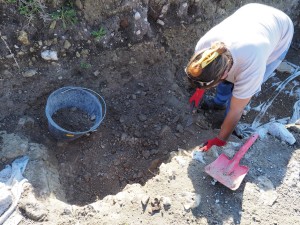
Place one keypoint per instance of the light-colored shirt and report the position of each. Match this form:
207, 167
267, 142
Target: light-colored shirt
255, 35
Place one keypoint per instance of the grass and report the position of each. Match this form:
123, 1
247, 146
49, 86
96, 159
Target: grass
99, 33
67, 15
31, 8
85, 65
28, 8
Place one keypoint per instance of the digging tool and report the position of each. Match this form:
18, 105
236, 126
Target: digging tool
228, 171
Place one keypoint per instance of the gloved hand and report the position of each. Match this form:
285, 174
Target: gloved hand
196, 97
207, 145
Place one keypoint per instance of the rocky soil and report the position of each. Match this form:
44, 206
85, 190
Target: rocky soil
139, 166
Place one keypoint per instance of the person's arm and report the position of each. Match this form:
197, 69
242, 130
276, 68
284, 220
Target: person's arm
232, 118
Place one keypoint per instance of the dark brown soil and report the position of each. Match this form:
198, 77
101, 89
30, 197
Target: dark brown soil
73, 119
146, 91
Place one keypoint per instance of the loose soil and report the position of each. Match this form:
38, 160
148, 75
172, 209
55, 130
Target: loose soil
73, 119
148, 117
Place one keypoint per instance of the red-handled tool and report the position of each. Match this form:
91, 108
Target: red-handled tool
228, 171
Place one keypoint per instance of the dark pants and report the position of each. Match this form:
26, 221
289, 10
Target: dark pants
224, 93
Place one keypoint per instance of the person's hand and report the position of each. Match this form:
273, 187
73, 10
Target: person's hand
215, 141
196, 97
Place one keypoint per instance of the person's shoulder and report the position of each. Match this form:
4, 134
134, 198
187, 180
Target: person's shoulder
256, 6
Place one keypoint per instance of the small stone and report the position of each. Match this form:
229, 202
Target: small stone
160, 22
179, 128
155, 206
35, 211
67, 44
49, 55
30, 73
96, 73
166, 202
10, 56
146, 154
142, 117
52, 25
26, 122
165, 9
85, 52
79, 4
23, 38
285, 67
137, 16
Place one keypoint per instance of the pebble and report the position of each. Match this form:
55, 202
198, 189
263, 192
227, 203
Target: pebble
34, 211
67, 44
10, 56
166, 202
96, 73
142, 117
137, 16
179, 128
160, 22
30, 73
146, 154
23, 38
49, 55
192, 200
53, 25
285, 67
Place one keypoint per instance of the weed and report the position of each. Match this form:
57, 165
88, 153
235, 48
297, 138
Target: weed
28, 8
85, 65
31, 8
11, 1
99, 34
67, 15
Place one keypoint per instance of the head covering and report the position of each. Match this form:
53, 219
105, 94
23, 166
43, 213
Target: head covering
201, 60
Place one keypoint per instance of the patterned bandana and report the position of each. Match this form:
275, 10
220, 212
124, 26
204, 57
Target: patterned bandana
195, 66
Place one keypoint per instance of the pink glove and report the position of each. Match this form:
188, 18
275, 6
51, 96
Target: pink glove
216, 141
196, 97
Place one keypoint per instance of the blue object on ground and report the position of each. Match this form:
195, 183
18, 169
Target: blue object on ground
84, 99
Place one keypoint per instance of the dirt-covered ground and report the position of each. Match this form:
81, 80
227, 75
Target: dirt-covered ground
148, 124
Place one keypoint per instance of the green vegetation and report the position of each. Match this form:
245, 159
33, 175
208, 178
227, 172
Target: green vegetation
85, 65
67, 15
99, 34
11, 1
28, 8
31, 8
